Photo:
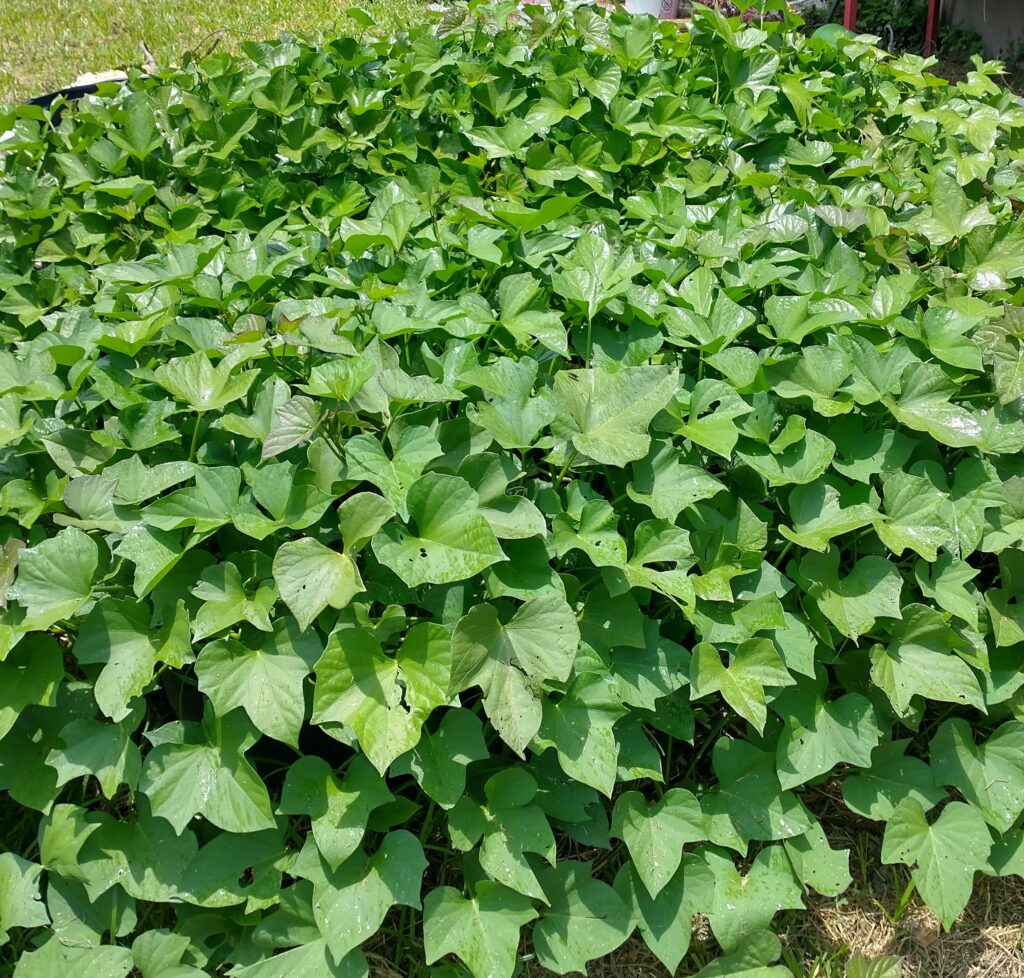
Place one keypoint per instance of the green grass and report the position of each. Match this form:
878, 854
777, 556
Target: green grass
45, 44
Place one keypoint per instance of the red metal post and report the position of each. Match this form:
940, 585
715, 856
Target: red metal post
850, 15
931, 28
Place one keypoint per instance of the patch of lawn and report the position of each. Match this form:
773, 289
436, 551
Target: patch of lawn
46, 44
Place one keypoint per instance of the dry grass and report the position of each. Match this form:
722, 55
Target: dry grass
984, 943
632, 960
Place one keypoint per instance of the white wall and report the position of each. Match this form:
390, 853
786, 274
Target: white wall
999, 22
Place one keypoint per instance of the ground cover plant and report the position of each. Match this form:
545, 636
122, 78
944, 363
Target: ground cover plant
469, 496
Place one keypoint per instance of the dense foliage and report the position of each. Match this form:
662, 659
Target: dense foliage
900, 25
473, 496
728, 9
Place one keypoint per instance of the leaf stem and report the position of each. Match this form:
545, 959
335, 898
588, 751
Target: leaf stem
709, 741
904, 901
565, 468
400, 935
330, 443
428, 822
437, 230
195, 436
668, 759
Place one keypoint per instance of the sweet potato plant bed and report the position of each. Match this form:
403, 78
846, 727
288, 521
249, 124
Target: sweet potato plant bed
468, 496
